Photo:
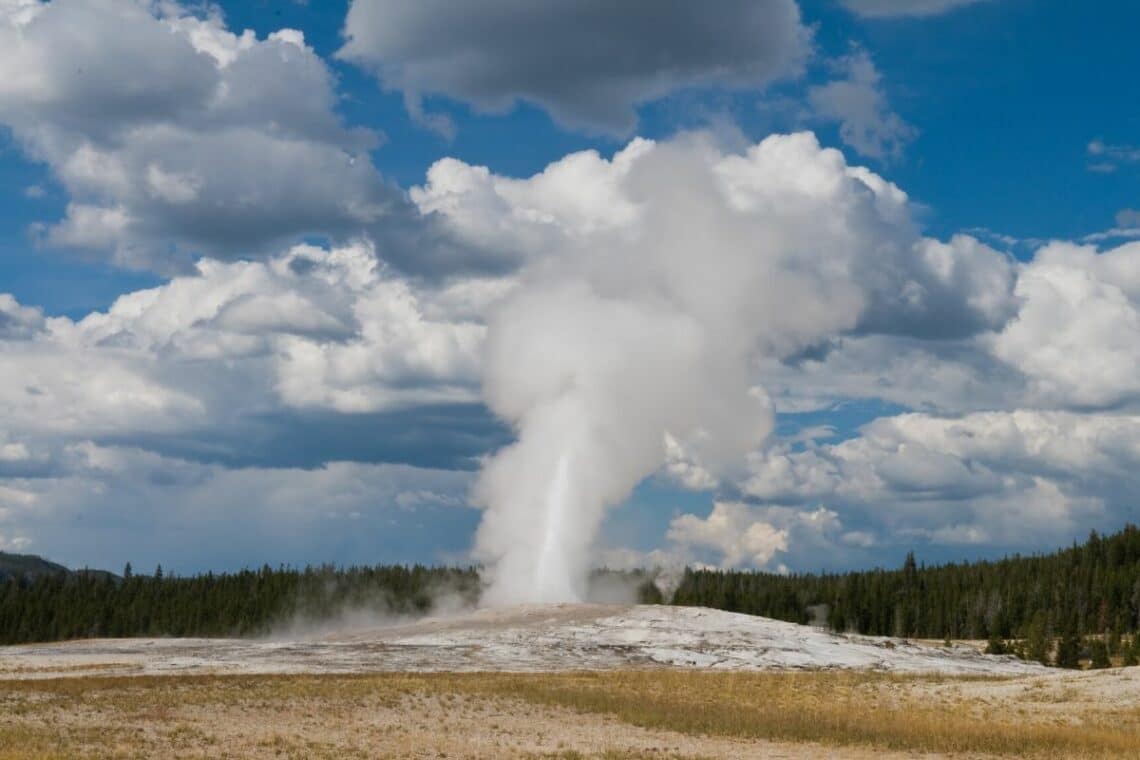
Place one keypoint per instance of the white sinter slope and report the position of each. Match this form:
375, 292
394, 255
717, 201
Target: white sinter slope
533, 637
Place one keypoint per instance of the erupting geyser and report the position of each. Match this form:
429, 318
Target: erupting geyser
597, 355
657, 280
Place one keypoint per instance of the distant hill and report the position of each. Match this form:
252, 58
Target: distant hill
28, 565
32, 566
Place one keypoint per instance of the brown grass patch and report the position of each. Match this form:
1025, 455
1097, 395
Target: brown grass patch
502, 714
839, 708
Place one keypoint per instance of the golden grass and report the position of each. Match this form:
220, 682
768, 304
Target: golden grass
840, 708
332, 715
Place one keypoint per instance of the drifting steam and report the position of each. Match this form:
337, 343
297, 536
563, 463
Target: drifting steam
664, 274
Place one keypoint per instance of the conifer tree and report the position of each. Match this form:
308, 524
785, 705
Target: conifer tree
1098, 654
996, 645
1132, 653
1037, 641
1069, 650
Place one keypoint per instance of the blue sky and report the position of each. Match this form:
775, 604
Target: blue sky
230, 269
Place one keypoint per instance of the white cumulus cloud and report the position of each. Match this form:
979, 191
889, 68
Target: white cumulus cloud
1007, 477
1077, 334
175, 137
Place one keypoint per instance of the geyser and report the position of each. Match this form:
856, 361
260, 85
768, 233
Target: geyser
651, 285
591, 384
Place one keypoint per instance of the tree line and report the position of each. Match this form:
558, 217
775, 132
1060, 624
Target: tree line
1055, 608
248, 603
1042, 607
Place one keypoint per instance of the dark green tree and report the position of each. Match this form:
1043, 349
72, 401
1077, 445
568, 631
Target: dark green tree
649, 593
1132, 653
1098, 653
1069, 650
996, 644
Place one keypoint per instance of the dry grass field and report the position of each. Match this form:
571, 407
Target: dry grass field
635, 714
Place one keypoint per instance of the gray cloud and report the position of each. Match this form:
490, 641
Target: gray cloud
17, 321
589, 64
438, 436
62, 73
1128, 217
903, 8
857, 102
175, 138
102, 499
944, 376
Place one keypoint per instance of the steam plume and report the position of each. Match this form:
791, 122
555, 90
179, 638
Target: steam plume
639, 321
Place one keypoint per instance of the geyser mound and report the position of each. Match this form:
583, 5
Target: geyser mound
560, 637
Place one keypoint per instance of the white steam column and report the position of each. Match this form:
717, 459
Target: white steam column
553, 574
